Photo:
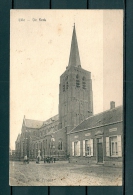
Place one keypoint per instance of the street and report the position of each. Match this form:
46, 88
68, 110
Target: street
63, 173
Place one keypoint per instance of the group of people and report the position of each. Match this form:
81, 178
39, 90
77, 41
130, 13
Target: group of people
49, 159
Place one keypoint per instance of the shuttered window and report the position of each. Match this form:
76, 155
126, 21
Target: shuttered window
119, 145
76, 148
91, 144
107, 147
113, 146
84, 83
77, 81
72, 148
83, 147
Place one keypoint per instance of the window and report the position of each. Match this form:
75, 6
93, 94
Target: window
88, 147
63, 88
66, 78
60, 144
77, 81
76, 148
83, 83
46, 143
43, 144
113, 146
66, 85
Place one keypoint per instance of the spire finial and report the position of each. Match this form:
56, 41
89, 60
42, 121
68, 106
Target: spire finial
73, 25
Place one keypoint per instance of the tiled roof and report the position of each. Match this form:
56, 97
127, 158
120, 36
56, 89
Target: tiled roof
51, 120
33, 123
103, 118
38, 124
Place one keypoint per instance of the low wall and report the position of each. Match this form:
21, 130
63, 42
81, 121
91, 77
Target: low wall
82, 160
92, 160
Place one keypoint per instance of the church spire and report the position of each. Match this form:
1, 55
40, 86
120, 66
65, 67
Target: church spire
74, 59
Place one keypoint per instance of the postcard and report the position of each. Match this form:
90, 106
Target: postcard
66, 98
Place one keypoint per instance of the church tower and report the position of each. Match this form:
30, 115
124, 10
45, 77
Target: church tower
75, 91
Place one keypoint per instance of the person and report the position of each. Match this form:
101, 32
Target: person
25, 159
44, 159
54, 159
68, 157
51, 159
48, 159
37, 161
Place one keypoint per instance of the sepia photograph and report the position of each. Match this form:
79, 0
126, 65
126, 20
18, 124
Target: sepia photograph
66, 98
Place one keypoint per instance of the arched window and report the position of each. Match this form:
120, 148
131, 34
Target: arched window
66, 78
77, 81
67, 85
60, 144
84, 83
63, 88
46, 143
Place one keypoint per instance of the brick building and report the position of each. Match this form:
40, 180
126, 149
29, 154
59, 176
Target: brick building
99, 139
75, 131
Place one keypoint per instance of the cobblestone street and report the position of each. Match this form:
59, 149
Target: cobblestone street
63, 174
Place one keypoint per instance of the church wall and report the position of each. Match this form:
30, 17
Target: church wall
60, 135
30, 138
43, 144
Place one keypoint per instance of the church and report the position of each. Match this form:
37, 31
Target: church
75, 132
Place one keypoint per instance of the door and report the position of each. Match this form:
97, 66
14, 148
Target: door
99, 150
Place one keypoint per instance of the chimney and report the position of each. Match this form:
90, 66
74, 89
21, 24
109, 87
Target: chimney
112, 104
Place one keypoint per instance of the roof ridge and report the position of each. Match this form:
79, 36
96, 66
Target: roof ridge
104, 111
41, 120
96, 115
33, 120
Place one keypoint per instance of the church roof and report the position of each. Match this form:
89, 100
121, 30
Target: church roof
51, 120
38, 124
33, 123
74, 59
18, 138
101, 119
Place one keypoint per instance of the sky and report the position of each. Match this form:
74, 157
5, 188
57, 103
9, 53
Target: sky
40, 43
